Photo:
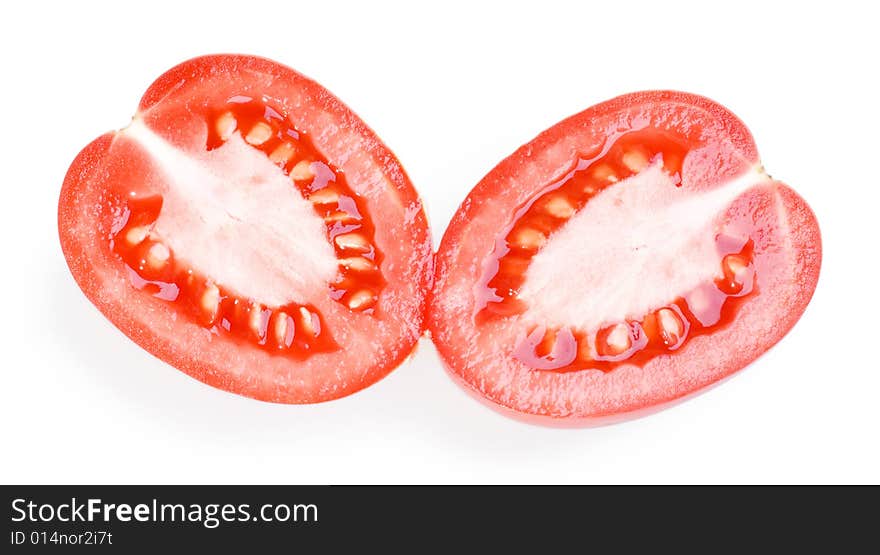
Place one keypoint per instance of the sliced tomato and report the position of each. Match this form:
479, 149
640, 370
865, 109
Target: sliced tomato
252, 231
627, 257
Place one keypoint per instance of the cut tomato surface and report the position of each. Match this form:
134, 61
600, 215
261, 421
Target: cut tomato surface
627, 257
252, 231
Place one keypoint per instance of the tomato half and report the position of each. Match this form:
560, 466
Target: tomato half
629, 256
252, 231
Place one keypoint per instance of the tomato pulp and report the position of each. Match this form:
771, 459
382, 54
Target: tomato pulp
252, 231
627, 257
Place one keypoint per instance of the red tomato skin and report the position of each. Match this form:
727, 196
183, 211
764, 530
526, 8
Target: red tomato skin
228, 365
502, 392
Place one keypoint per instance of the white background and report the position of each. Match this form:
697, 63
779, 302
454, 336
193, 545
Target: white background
452, 89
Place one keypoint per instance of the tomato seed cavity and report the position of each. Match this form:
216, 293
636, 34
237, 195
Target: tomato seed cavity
634, 341
294, 329
555, 204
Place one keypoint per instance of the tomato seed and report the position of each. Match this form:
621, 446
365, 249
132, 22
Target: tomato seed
615, 340
210, 303
602, 173
358, 264
671, 327
560, 207
225, 125
327, 195
280, 322
282, 154
361, 300
308, 321
635, 160
529, 238
302, 171
339, 216
352, 241
156, 259
136, 235
259, 134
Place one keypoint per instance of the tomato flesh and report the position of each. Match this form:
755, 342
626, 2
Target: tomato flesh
627, 257
230, 231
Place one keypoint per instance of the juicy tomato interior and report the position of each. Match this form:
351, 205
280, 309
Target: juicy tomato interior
295, 329
634, 341
625, 258
252, 231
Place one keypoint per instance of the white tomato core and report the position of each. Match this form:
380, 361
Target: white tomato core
233, 214
636, 246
